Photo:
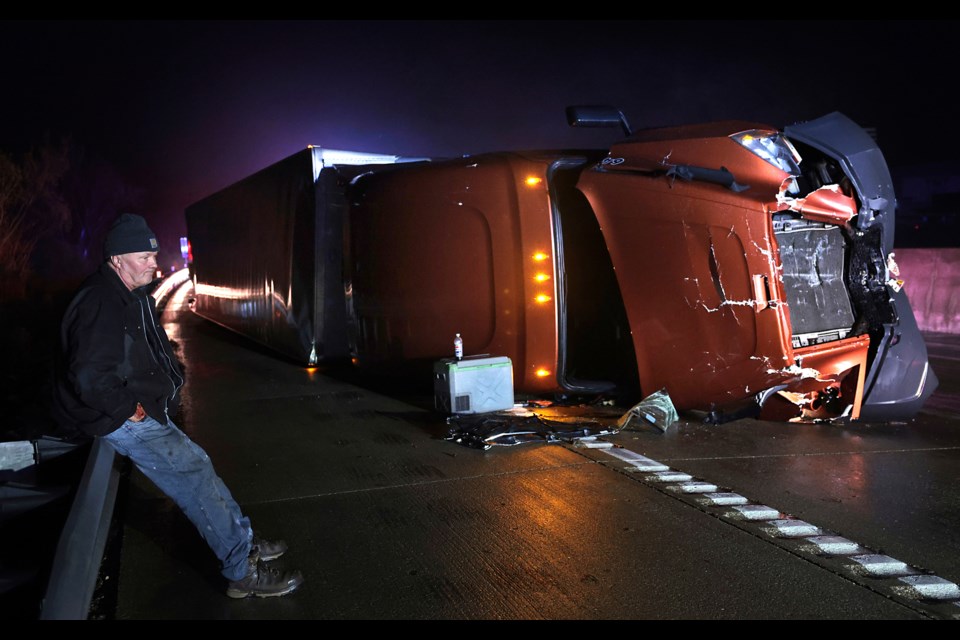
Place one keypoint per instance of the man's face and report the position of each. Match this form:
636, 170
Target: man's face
135, 269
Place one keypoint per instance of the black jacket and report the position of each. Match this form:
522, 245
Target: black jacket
113, 354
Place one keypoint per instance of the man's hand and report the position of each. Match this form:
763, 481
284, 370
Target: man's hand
139, 415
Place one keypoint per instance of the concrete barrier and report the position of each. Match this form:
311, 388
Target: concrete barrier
932, 282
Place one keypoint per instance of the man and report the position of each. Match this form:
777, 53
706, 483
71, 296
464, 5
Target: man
118, 379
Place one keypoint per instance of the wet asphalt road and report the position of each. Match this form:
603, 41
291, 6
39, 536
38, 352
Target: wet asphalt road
388, 520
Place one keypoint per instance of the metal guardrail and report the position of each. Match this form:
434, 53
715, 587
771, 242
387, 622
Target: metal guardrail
56, 503
80, 550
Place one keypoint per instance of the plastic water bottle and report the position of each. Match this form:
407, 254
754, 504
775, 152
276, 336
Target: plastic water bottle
458, 347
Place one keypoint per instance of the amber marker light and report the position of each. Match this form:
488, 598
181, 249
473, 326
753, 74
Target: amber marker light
543, 298
533, 181
542, 373
541, 277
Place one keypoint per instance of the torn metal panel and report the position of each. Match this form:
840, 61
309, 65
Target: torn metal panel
828, 382
826, 204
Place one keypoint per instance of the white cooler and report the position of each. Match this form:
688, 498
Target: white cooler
473, 385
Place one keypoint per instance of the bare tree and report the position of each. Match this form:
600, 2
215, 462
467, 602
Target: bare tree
55, 206
31, 207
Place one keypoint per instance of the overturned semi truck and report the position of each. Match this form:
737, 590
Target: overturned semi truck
744, 269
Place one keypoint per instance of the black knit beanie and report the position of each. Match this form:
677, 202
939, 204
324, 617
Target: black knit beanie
129, 234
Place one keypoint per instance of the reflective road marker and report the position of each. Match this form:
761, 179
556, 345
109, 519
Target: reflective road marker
925, 591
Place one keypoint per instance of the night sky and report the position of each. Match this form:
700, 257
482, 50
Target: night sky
183, 108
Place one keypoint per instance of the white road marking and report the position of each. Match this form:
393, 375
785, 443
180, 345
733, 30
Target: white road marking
640, 463
590, 444
695, 486
725, 498
791, 528
671, 476
757, 512
834, 545
932, 587
880, 565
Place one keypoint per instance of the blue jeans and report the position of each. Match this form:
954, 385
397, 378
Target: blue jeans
183, 470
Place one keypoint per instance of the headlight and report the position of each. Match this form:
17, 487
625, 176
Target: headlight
772, 147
